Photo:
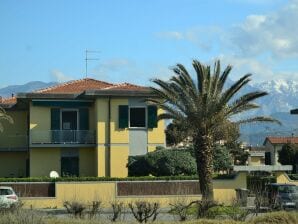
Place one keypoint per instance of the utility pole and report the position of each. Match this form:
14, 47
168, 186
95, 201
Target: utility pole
87, 54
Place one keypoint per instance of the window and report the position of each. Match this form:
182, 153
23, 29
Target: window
5, 192
137, 117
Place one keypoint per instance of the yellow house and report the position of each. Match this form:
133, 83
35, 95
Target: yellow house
79, 128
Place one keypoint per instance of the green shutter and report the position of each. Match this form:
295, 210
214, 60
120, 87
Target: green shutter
123, 116
55, 119
152, 116
84, 118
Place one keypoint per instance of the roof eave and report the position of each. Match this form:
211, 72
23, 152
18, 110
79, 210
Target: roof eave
48, 95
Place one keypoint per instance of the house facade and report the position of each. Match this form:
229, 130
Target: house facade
273, 145
80, 128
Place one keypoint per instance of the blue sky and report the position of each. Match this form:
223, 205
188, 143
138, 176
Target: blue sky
139, 40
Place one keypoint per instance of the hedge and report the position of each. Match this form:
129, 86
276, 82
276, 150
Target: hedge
293, 176
80, 179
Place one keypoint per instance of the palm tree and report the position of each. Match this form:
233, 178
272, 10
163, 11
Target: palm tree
203, 106
4, 116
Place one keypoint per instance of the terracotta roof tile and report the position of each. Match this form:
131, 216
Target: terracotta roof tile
282, 140
10, 100
79, 86
76, 86
126, 86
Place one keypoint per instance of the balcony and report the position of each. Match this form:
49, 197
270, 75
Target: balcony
64, 138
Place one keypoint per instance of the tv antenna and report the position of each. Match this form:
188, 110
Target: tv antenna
87, 58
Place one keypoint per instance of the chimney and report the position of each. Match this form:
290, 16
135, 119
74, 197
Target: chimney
12, 95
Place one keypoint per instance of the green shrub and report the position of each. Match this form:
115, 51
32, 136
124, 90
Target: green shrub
293, 176
222, 159
258, 183
277, 218
138, 166
171, 162
163, 162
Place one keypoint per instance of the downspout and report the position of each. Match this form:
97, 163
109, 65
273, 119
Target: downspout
108, 152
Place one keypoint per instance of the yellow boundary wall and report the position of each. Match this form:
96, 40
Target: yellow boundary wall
86, 192
283, 178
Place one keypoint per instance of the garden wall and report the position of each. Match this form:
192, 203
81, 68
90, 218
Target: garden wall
164, 192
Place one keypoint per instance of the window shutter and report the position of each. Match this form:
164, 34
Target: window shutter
123, 116
84, 118
55, 119
152, 116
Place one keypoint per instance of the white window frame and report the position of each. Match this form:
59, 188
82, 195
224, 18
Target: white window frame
132, 107
70, 109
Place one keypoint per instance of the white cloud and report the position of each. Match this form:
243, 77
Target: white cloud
120, 70
60, 76
260, 70
275, 33
171, 35
194, 35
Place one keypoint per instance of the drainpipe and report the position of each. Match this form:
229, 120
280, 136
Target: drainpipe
108, 152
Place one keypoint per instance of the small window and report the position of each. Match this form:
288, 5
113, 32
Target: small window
137, 117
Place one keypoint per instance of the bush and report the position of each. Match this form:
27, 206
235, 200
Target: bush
258, 183
165, 162
222, 159
171, 162
144, 211
75, 208
138, 166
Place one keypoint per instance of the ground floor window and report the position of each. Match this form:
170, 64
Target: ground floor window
70, 166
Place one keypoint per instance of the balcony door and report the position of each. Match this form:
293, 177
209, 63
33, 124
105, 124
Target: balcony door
69, 125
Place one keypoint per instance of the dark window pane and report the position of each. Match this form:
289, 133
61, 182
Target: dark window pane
137, 117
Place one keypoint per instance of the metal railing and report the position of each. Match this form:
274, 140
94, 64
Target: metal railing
62, 137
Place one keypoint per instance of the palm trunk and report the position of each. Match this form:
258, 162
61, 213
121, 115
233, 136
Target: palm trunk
204, 160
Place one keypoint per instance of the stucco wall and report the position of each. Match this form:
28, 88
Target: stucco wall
86, 192
13, 164
44, 160
15, 135
283, 178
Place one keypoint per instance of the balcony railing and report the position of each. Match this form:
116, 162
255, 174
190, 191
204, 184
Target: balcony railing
62, 137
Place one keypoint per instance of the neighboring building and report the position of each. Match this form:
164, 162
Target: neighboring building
274, 144
80, 128
256, 156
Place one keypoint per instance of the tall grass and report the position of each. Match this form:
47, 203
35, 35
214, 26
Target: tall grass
22, 216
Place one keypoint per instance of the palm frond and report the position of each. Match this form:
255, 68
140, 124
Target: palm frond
259, 119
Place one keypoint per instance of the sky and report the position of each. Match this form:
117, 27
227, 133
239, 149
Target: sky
139, 40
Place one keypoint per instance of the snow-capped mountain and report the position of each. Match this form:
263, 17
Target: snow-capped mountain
283, 97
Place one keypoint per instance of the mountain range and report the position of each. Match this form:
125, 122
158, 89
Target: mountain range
28, 87
283, 97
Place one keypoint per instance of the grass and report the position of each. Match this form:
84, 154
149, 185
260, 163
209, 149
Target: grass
32, 217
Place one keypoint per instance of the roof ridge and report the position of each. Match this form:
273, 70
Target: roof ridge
123, 84
69, 83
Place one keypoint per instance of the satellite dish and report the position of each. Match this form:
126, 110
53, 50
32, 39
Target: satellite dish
54, 174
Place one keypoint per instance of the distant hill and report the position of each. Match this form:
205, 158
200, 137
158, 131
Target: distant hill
28, 87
